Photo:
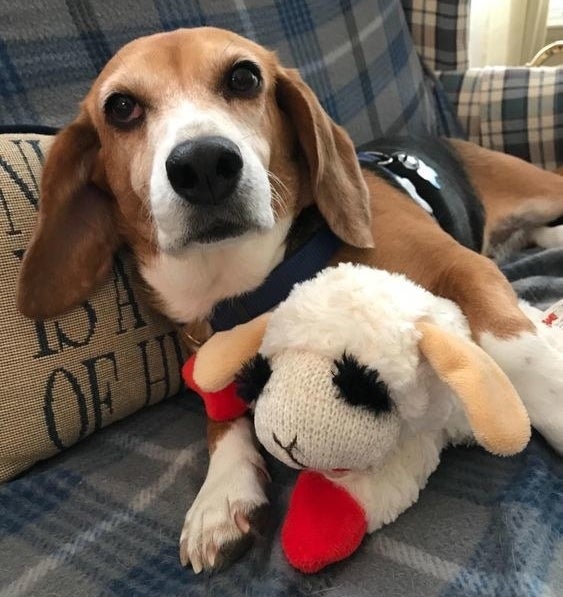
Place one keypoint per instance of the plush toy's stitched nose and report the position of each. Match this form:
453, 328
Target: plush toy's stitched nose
289, 449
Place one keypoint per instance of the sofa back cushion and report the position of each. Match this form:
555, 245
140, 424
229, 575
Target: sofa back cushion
357, 55
440, 32
61, 380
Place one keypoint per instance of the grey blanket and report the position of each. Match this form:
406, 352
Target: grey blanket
104, 517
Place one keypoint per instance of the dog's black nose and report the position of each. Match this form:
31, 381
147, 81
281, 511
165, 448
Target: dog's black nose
204, 170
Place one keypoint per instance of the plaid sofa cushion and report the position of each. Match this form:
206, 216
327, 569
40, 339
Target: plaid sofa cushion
357, 55
439, 30
515, 110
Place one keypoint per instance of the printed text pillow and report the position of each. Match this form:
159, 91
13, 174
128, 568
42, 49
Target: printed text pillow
62, 379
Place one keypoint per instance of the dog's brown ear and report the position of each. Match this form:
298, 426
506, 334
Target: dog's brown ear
337, 183
72, 246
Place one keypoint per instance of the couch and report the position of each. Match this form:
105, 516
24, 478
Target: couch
103, 517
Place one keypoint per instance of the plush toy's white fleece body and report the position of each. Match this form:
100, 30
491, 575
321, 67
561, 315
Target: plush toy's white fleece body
372, 315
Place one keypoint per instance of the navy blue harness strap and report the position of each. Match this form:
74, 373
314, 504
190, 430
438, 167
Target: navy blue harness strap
303, 264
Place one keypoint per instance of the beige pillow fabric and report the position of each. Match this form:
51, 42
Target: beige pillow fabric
65, 378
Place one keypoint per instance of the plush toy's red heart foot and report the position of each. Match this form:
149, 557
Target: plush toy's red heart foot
324, 524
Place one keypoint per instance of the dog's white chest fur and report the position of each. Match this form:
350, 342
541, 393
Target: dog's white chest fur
191, 283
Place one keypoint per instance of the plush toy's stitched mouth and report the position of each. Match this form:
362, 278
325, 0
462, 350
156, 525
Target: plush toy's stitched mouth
289, 449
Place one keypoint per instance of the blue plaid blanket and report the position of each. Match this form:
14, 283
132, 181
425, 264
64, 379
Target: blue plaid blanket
104, 518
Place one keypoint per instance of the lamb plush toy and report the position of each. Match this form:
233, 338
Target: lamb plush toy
360, 378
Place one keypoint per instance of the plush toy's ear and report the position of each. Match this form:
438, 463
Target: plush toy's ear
222, 356
494, 410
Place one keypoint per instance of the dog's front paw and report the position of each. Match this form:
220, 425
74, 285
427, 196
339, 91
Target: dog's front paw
226, 514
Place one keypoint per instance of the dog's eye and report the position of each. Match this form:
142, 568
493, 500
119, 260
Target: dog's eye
360, 386
252, 378
123, 110
244, 78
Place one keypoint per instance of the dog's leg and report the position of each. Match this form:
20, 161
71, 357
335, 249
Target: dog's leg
219, 525
516, 343
516, 194
534, 364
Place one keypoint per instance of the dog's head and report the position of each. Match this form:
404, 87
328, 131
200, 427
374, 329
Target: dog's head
194, 137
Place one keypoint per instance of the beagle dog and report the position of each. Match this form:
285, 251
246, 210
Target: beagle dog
199, 150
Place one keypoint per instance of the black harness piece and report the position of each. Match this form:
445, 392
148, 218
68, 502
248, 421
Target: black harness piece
431, 174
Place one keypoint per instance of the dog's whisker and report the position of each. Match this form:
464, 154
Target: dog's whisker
278, 201
279, 191
249, 136
277, 180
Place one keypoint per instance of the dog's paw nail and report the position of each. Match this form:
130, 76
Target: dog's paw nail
263, 474
212, 555
197, 566
184, 555
220, 525
242, 522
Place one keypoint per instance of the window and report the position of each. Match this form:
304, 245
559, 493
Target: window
555, 15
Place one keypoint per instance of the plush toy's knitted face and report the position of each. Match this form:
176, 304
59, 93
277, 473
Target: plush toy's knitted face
322, 413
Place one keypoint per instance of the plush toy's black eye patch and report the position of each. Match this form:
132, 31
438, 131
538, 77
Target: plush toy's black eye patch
360, 385
252, 378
